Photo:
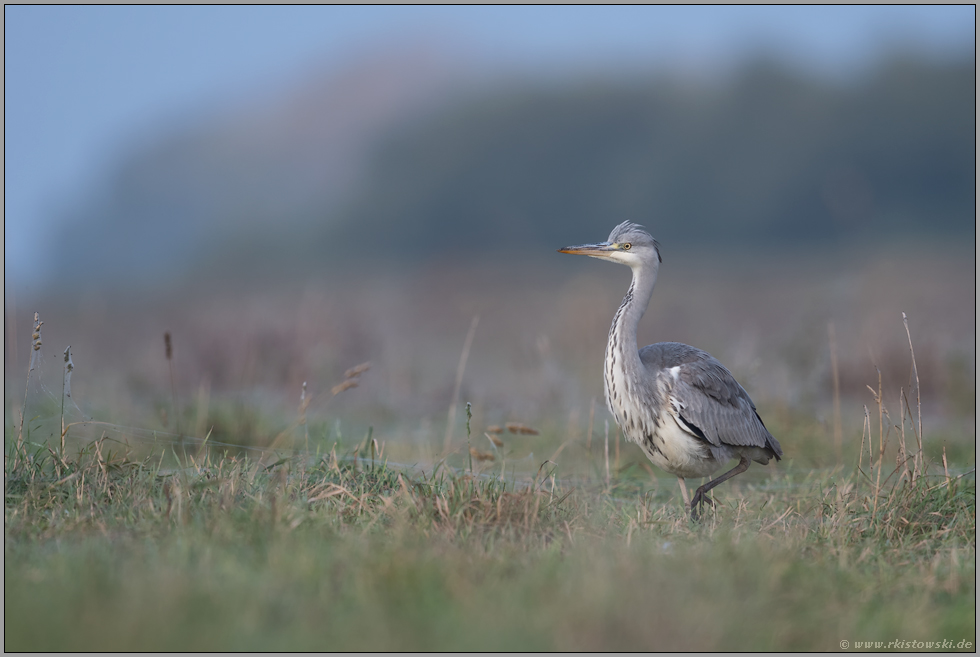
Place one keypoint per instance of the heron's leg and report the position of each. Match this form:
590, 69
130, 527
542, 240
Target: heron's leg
700, 495
687, 500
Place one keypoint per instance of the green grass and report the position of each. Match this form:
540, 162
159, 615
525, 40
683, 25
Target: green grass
108, 552
275, 537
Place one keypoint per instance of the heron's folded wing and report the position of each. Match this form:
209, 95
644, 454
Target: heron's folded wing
712, 400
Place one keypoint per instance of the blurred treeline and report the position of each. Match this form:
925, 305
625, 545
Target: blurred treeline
768, 155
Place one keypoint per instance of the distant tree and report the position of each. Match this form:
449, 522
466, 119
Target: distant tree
770, 155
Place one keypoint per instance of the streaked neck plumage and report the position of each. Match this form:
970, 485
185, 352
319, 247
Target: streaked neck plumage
623, 368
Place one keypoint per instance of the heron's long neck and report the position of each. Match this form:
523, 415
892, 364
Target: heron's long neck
622, 333
623, 368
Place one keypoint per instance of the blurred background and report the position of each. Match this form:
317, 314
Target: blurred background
294, 190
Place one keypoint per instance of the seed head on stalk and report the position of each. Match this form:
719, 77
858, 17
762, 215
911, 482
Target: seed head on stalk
35, 359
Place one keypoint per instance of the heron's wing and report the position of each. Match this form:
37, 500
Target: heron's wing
708, 398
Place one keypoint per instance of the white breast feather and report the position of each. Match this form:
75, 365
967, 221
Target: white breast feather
666, 440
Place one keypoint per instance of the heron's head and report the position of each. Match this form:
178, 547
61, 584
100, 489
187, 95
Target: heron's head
628, 244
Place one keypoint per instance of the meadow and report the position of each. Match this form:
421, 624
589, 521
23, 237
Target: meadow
421, 460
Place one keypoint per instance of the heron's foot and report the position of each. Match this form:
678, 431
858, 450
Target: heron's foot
698, 501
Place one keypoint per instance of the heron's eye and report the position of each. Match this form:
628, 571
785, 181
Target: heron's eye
626, 247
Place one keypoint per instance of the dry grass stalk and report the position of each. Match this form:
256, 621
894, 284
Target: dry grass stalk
498, 443
480, 455
838, 431
618, 434
346, 384
304, 402
523, 429
865, 432
918, 401
460, 368
902, 459
607, 453
332, 490
469, 417
893, 509
372, 444
588, 438
168, 349
881, 441
65, 394
203, 403
35, 359
495, 428
357, 370
351, 379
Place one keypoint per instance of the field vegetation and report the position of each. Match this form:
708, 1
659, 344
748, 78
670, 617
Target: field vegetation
423, 462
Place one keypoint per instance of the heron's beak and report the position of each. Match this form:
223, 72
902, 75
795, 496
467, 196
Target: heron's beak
600, 250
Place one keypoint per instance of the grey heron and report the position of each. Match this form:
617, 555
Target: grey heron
679, 404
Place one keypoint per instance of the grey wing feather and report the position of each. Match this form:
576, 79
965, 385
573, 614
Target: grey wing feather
710, 398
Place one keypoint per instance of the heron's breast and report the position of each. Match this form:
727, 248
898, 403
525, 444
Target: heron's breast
685, 455
654, 427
